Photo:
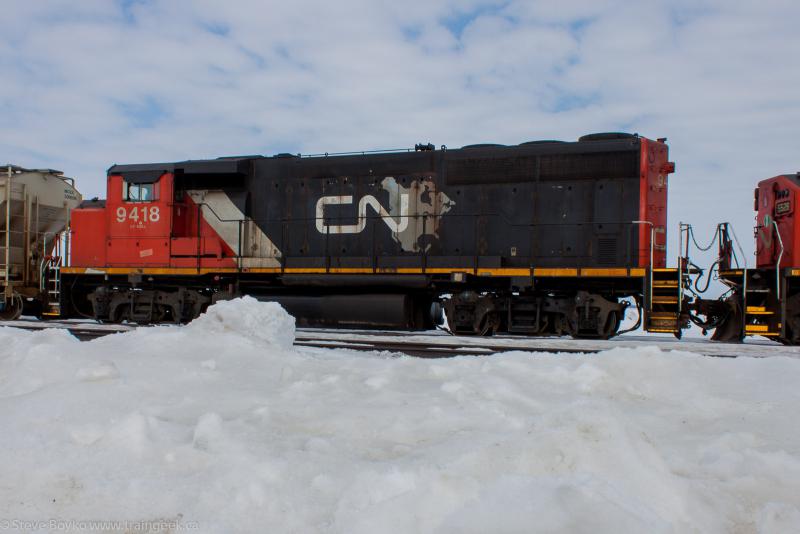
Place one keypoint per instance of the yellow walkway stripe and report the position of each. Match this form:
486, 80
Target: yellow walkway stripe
545, 272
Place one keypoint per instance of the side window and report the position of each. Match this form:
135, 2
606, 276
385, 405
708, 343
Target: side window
140, 192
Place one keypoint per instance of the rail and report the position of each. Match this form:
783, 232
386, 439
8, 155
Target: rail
420, 344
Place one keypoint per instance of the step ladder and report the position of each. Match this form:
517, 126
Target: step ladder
665, 313
761, 317
52, 304
762, 298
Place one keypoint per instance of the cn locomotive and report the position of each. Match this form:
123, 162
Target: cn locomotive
540, 238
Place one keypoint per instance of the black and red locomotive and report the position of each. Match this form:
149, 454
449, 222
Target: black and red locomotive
541, 238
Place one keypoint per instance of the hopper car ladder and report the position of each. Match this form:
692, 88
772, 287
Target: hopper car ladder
9, 300
50, 275
52, 287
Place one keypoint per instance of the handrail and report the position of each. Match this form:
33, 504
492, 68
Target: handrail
778, 264
44, 264
630, 250
681, 228
744, 276
652, 248
738, 245
423, 217
502, 215
8, 233
356, 153
724, 241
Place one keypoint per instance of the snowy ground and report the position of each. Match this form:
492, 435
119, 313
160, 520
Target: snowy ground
222, 426
755, 347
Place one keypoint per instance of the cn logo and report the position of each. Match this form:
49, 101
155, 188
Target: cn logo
421, 195
367, 200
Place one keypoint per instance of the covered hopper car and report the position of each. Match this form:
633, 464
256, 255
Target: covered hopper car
34, 210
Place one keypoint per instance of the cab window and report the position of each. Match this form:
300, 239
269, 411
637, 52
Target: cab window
140, 192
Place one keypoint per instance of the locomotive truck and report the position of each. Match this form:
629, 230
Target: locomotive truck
540, 238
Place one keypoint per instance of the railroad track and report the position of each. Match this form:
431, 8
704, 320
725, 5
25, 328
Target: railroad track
84, 331
87, 331
442, 345
427, 350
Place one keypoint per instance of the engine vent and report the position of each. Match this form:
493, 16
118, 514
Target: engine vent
494, 168
607, 250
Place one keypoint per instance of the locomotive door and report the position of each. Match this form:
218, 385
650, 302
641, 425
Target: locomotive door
560, 224
606, 234
139, 221
775, 209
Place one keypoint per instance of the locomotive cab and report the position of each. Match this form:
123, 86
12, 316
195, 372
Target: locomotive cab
139, 220
147, 222
131, 227
776, 224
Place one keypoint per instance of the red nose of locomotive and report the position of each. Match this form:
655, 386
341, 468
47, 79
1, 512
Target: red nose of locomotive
777, 231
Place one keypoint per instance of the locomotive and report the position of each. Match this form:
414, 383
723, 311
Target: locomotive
540, 238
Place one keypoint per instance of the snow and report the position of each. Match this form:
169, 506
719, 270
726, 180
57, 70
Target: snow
264, 322
756, 347
223, 426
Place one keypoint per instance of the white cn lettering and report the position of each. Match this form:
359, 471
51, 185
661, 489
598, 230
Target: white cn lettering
368, 200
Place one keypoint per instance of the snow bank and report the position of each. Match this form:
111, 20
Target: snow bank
265, 322
221, 425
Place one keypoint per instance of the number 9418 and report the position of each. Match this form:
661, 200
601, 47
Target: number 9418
138, 213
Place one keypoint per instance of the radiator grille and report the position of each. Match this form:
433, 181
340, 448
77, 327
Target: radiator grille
607, 251
499, 169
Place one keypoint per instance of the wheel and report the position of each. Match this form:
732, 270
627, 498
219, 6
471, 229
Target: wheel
119, 314
791, 337
436, 313
612, 325
792, 320
12, 309
488, 325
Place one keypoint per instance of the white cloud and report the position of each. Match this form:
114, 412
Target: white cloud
89, 84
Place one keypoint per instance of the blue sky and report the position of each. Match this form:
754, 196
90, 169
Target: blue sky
91, 83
